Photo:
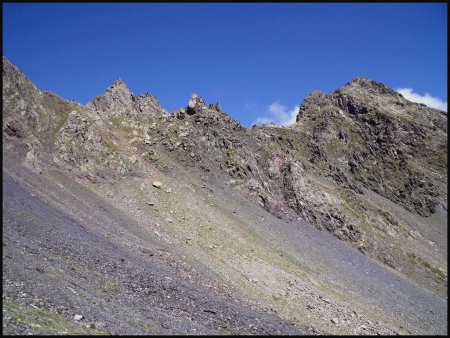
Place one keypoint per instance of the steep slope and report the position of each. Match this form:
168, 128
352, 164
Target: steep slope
370, 134
222, 185
336, 170
351, 148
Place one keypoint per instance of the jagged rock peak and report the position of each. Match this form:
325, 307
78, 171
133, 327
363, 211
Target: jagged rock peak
119, 85
364, 81
315, 99
148, 104
315, 95
357, 96
118, 98
365, 84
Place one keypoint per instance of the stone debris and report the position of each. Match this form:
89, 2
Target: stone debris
361, 140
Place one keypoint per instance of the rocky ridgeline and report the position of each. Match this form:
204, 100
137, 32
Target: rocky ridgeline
118, 98
366, 134
49, 131
362, 136
310, 170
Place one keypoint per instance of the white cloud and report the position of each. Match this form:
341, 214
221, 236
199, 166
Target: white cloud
430, 101
278, 114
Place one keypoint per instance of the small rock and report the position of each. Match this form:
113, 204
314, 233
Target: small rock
168, 190
169, 220
78, 317
157, 184
363, 327
415, 234
327, 300
150, 203
335, 321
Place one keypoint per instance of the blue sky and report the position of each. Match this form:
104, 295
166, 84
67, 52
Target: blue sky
258, 60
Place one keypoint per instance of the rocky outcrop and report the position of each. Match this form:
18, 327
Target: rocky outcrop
118, 98
46, 131
195, 105
148, 104
366, 134
30, 116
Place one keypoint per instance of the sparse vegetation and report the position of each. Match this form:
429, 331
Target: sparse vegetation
235, 238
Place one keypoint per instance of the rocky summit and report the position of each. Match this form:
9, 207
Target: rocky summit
122, 218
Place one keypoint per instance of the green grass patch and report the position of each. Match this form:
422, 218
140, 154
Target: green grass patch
426, 265
42, 322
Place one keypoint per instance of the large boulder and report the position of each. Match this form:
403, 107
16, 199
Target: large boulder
195, 105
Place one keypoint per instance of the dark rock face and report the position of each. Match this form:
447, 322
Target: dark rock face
370, 135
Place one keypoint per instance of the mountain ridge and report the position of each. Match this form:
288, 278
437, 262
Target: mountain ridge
361, 163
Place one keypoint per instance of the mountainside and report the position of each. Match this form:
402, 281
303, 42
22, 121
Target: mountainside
191, 223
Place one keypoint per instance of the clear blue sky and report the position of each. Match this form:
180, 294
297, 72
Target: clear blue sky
246, 56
